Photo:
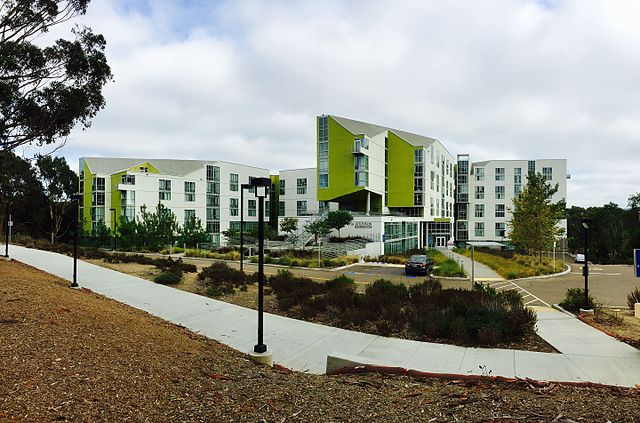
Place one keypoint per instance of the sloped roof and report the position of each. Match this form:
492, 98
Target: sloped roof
111, 165
370, 130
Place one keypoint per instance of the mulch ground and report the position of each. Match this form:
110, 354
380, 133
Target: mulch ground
73, 355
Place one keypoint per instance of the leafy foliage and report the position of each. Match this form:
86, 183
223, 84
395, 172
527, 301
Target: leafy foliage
46, 91
338, 219
219, 279
59, 182
318, 228
574, 300
192, 233
534, 219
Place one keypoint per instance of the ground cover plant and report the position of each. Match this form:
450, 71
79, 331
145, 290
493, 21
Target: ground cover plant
99, 350
423, 311
286, 260
518, 266
633, 298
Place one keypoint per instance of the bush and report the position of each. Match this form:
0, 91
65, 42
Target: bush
449, 268
574, 300
167, 278
292, 290
220, 273
633, 298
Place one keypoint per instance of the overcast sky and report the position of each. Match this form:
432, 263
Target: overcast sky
243, 81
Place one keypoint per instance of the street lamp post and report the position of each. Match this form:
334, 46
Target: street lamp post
261, 185
75, 198
585, 224
113, 227
242, 188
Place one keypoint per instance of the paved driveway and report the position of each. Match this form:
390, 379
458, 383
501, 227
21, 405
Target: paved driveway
608, 284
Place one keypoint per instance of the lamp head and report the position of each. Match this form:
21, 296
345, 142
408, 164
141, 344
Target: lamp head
261, 185
586, 223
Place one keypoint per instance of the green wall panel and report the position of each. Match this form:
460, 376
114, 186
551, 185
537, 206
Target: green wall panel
400, 172
341, 171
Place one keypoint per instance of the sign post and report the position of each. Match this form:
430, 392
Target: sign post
636, 262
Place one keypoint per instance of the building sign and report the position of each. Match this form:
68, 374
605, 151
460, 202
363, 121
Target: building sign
636, 262
363, 225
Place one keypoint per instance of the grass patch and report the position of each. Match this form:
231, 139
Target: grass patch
228, 255
307, 262
518, 266
444, 266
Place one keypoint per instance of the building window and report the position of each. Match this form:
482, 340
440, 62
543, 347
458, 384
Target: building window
500, 229
480, 174
301, 186
233, 206
479, 210
433, 179
266, 208
282, 186
500, 192
432, 210
281, 208
479, 228
188, 215
213, 213
97, 184
323, 152
189, 191
213, 173
499, 210
517, 189
462, 212
128, 200
233, 182
499, 173
301, 208
361, 179
517, 175
129, 179
547, 172
531, 167
418, 156
165, 189
323, 206
252, 208
417, 199
480, 193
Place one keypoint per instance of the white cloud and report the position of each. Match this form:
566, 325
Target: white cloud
243, 81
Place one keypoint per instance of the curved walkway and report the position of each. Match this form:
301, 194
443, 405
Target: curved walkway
587, 354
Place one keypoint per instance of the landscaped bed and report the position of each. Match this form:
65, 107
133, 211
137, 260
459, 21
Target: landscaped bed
72, 355
424, 311
513, 266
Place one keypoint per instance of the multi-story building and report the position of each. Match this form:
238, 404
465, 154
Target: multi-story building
486, 191
381, 172
209, 190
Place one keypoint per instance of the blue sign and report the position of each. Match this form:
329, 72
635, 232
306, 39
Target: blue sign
636, 262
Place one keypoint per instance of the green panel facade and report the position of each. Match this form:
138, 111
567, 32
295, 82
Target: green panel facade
400, 172
341, 165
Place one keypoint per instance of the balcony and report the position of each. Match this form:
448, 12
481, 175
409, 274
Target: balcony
360, 146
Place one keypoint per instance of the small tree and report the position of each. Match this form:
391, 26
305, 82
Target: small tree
156, 230
127, 233
102, 234
319, 227
534, 219
192, 233
338, 219
289, 225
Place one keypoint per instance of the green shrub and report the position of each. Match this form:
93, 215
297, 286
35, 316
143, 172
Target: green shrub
574, 300
450, 268
292, 290
167, 278
220, 273
633, 298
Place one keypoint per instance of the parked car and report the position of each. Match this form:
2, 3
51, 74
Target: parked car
418, 265
579, 258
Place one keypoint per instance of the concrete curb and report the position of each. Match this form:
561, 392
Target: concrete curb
354, 367
553, 275
559, 308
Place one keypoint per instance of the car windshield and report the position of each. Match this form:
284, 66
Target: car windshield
418, 259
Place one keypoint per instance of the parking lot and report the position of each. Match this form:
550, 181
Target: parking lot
608, 284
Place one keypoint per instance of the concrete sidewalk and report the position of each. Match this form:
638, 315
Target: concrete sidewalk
587, 354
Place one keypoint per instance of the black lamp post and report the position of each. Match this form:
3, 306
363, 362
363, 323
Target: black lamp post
585, 224
242, 188
113, 226
261, 185
76, 199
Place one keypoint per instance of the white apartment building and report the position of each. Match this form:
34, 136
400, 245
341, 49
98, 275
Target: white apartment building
486, 191
208, 190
